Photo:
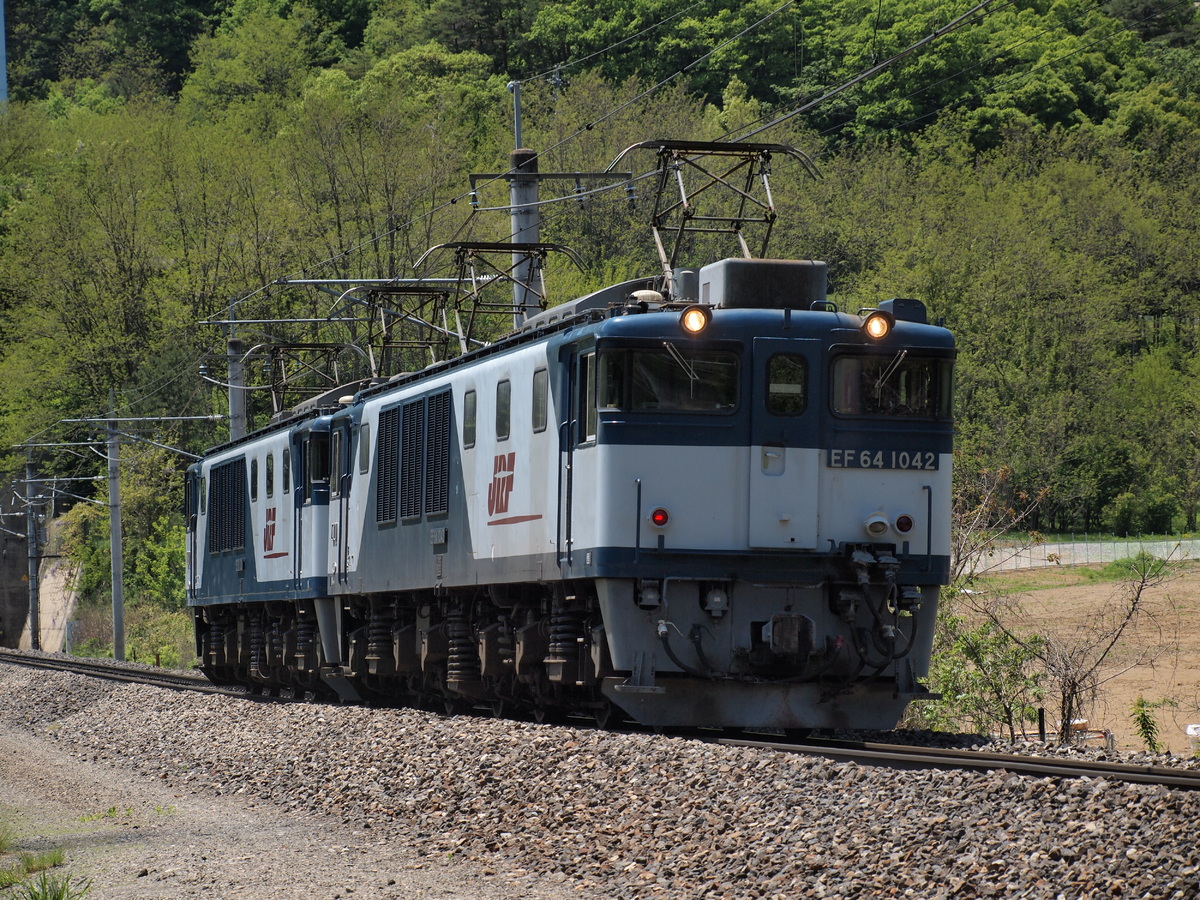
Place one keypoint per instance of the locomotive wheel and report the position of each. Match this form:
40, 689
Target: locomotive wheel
603, 714
498, 708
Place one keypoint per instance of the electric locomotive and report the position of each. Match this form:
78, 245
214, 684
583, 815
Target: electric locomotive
723, 503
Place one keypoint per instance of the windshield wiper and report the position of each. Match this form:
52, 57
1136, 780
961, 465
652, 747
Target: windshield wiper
889, 371
683, 363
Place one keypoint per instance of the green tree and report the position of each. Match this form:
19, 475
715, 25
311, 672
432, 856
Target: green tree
254, 67
489, 27
1169, 23
158, 568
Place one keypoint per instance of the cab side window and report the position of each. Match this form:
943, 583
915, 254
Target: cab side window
469, 407
503, 410
587, 398
541, 391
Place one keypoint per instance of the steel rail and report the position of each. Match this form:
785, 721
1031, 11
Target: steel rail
898, 756
178, 681
892, 756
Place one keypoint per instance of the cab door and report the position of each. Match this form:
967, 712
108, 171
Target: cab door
191, 503
339, 499
578, 429
784, 456
312, 506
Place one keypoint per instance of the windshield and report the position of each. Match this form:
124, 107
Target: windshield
671, 378
901, 384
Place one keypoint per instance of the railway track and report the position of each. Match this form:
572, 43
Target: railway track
898, 756
115, 671
893, 756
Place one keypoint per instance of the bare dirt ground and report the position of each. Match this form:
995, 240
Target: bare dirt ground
1157, 658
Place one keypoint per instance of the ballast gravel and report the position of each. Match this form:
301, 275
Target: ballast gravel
156, 794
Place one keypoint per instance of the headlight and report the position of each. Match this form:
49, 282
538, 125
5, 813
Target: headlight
876, 525
695, 319
877, 324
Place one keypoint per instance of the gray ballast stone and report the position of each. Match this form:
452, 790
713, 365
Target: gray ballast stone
634, 815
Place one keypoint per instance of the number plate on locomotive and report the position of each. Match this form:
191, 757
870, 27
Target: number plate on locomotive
882, 459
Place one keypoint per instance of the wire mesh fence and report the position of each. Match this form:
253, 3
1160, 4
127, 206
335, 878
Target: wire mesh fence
1088, 549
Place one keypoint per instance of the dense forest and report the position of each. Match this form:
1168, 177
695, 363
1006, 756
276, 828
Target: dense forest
1032, 174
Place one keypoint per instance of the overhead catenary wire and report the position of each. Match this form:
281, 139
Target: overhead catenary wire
974, 95
625, 40
955, 24
1049, 63
846, 85
951, 26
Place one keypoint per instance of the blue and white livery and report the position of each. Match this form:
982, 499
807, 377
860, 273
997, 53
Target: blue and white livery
726, 509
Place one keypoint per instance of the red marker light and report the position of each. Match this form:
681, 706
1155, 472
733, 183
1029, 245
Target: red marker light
904, 524
660, 517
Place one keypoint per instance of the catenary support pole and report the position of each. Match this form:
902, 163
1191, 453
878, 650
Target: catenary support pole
237, 390
115, 537
31, 540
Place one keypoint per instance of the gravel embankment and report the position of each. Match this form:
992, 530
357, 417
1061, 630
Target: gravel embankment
308, 800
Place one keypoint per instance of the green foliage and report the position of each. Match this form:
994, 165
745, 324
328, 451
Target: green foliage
55, 887
1145, 723
130, 45
87, 95
28, 864
986, 677
254, 67
84, 535
158, 576
158, 636
1144, 566
491, 27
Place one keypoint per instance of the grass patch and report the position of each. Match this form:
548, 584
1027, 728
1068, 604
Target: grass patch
18, 868
1142, 565
111, 813
30, 864
55, 887
1040, 578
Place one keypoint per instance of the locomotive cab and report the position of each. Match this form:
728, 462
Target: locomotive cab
766, 494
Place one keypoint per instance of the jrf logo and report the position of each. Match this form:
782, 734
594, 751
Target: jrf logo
502, 483
269, 531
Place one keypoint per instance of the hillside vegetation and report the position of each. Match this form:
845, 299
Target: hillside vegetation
1033, 176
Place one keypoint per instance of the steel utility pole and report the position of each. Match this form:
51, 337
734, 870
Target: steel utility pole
115, 534
237, 388
524, 181
526, 224
32, 545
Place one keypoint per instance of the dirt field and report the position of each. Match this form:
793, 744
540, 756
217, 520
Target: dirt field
1158, 657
